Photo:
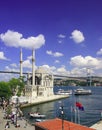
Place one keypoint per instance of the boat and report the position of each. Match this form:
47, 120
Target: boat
81, 91
37, 115
64, 92
39, 120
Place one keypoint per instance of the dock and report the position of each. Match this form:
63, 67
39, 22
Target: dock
97, 126
40, 100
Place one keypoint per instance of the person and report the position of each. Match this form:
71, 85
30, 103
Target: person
7, 125
12, 119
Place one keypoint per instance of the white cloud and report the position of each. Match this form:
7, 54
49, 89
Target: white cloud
15, 39
57, 61
50, 69
77, 36
29, 57
7, 77
61, 36
49, 52
55, 54
78, 72
27, 64
2, 57
60, 41
99, 52
9, 68
56, 71
88, 61
62, 71
14, 65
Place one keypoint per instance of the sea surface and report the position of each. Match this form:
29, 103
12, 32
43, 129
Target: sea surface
92, 107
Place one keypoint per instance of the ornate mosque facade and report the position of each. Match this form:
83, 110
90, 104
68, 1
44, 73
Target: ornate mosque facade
39, 83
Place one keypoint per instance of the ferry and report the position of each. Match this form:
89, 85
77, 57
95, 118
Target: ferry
64, 92
81, 91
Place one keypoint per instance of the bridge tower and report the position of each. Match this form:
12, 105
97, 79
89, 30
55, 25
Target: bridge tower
21, 61
89, 80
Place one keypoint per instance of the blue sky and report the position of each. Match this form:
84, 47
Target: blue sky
66, 36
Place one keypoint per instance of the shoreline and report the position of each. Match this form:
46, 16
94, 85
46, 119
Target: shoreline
40, 100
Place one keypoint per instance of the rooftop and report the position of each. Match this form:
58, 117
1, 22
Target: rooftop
56, 124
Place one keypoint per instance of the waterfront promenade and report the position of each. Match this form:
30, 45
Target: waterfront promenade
24, 124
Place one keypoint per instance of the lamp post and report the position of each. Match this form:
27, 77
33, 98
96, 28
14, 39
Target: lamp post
62, 115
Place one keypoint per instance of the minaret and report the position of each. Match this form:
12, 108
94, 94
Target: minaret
33, 67
21, 61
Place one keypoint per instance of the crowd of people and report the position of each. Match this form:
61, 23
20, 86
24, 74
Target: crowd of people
11, 112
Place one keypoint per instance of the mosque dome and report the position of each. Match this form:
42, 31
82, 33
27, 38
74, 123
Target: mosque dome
42, 70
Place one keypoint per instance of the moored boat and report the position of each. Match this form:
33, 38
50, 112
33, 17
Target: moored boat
37, 115
81, 91
39, 120
64, 92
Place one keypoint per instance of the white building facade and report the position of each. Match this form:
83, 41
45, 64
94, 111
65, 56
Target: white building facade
43, 85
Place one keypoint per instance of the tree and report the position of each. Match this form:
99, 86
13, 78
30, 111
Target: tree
22, 86
5, 90
17, 85
13, 85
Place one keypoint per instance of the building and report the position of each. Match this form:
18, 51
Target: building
39, 82
58, 124
43, 85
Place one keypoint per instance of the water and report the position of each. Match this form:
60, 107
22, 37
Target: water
92, 107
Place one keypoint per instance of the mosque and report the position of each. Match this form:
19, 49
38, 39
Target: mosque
39, 82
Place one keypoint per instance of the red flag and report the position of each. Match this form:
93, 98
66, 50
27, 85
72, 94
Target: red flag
80, 106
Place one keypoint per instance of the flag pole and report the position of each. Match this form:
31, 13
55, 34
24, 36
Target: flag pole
62, 115
79, 107
71, 114
78, 116
75, 115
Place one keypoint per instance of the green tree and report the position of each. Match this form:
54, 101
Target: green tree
17, 85
5, 91
22, 86
13, 85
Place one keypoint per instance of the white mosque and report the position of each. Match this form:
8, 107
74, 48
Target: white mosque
39, 83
